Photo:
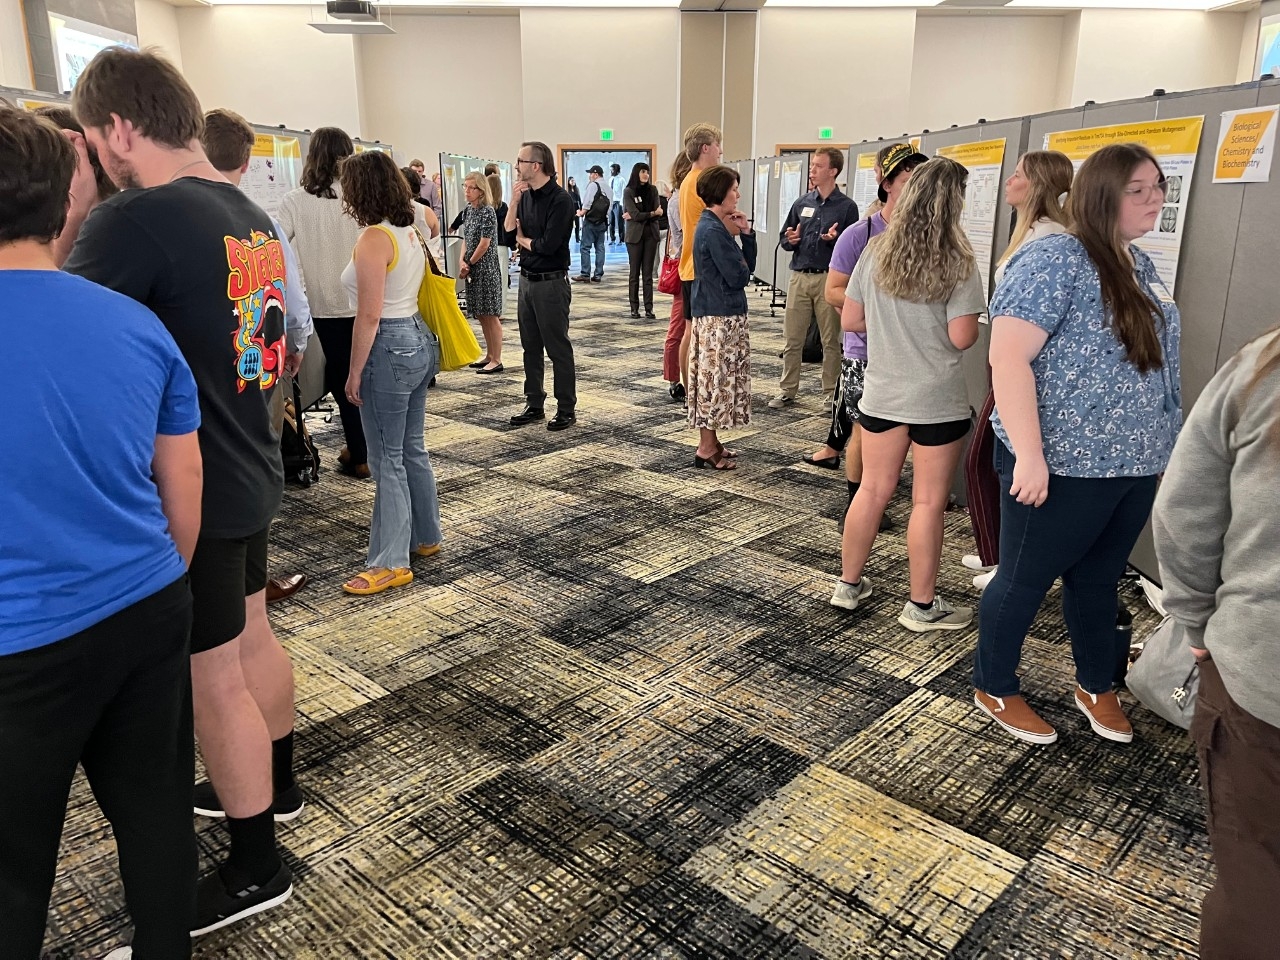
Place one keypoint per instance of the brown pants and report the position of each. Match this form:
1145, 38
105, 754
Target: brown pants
1240, 773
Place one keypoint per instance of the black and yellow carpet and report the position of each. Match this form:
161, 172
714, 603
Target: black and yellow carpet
617, 718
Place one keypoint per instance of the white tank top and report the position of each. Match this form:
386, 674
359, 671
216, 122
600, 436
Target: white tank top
404, 274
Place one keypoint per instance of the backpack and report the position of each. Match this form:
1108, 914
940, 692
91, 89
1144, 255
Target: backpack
301, 458
598, 212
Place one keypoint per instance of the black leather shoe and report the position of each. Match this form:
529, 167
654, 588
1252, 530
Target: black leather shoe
562, 421
635, 314
528, 415
650, 315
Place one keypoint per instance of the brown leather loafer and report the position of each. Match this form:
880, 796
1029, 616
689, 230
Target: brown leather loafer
281, 588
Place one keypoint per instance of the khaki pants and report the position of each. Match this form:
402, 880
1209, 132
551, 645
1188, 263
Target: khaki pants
804, 300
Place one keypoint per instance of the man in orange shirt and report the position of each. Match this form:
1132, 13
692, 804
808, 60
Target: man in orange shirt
702, 147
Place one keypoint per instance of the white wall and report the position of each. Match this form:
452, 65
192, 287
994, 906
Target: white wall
846, 69
266, 63
158, 27
583, 70
1015, 73
15, 67
445, 83
1129, 53
1249, 37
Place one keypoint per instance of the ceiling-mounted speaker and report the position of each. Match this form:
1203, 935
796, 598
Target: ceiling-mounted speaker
359, 11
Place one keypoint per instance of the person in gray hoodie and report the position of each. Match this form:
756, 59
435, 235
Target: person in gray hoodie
1217, 535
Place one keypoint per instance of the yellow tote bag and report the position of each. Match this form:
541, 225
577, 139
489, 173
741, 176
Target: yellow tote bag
438, 304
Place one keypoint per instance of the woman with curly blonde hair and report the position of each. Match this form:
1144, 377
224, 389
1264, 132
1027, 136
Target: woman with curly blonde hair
916, 293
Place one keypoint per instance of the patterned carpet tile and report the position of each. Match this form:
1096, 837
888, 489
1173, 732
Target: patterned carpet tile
617, 718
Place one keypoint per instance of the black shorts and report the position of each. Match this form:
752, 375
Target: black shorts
921, 434
223, 572
686, 299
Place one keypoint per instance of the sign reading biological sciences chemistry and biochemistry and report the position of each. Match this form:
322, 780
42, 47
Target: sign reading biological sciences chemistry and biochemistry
1245, 145
1174, 143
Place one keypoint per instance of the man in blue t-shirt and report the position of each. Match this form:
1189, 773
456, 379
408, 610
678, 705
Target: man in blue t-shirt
95, 609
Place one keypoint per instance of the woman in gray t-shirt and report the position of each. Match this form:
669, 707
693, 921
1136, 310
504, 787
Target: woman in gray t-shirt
916, 293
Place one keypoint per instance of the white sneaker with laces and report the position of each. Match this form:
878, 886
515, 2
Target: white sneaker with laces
940, 616
847, 595
781, 402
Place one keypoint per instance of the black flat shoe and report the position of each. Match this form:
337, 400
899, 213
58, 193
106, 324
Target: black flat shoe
498, 369
478, 364
677, 391
562, 421
826, 463
528, 415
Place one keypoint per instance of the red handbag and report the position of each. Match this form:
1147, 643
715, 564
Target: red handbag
669, 276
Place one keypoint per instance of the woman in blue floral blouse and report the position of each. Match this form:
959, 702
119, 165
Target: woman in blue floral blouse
1085, 367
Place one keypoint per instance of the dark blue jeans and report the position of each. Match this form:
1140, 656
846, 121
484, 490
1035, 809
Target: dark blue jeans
1084, 533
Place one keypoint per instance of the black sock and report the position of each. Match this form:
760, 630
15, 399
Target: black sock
853, 488
254, 858
923, 606
282, 763
853, 583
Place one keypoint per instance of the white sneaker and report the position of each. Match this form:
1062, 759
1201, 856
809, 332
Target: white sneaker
940, 616
120, 953
974, 562
781, 402
848, 596
982, 579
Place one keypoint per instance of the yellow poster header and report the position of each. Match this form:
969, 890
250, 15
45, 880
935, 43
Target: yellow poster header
270, 145
1164, 138
866, 161
984, 153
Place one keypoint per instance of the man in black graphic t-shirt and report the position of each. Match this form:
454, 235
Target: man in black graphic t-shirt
184, 242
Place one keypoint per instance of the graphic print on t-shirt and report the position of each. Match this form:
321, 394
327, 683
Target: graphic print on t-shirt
256, 285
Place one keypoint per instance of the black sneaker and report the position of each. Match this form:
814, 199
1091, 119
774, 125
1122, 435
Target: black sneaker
217, 907
285, 807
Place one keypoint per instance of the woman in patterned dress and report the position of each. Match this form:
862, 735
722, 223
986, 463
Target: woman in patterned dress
480, 268
1085, 365
720, 347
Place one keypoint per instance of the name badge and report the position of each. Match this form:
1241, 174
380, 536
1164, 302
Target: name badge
1161, 291
808, 212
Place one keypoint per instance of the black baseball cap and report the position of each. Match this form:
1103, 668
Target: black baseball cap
597, 170
898, 157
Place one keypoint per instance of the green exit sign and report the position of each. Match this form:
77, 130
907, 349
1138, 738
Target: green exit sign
606, 133
826, 133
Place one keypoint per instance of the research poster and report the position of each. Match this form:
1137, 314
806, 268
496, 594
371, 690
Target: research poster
1246, 144
791, 188
983, 160
760, 205
864, 182
275, 168
1174, 142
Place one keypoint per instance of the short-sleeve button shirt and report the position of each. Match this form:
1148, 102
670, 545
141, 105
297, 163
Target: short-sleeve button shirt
1099, 415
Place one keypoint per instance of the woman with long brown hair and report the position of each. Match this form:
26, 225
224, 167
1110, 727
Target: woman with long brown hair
322, 234
1085, 365
1220, 567
394, 355
916, 293
1037, 190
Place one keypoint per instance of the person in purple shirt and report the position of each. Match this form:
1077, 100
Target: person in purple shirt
894, 164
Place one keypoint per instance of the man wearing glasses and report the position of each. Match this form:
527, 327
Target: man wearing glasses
541, 215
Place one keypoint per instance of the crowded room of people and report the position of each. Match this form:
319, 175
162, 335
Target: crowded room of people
620, 479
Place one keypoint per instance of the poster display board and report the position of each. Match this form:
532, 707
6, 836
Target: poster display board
761, 221
275, 168
1174, 142
864, 181
792, 179
1246, 144
983, 159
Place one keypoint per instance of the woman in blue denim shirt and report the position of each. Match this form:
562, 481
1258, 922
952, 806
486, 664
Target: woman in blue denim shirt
1085, 367
394, 355
720, 343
